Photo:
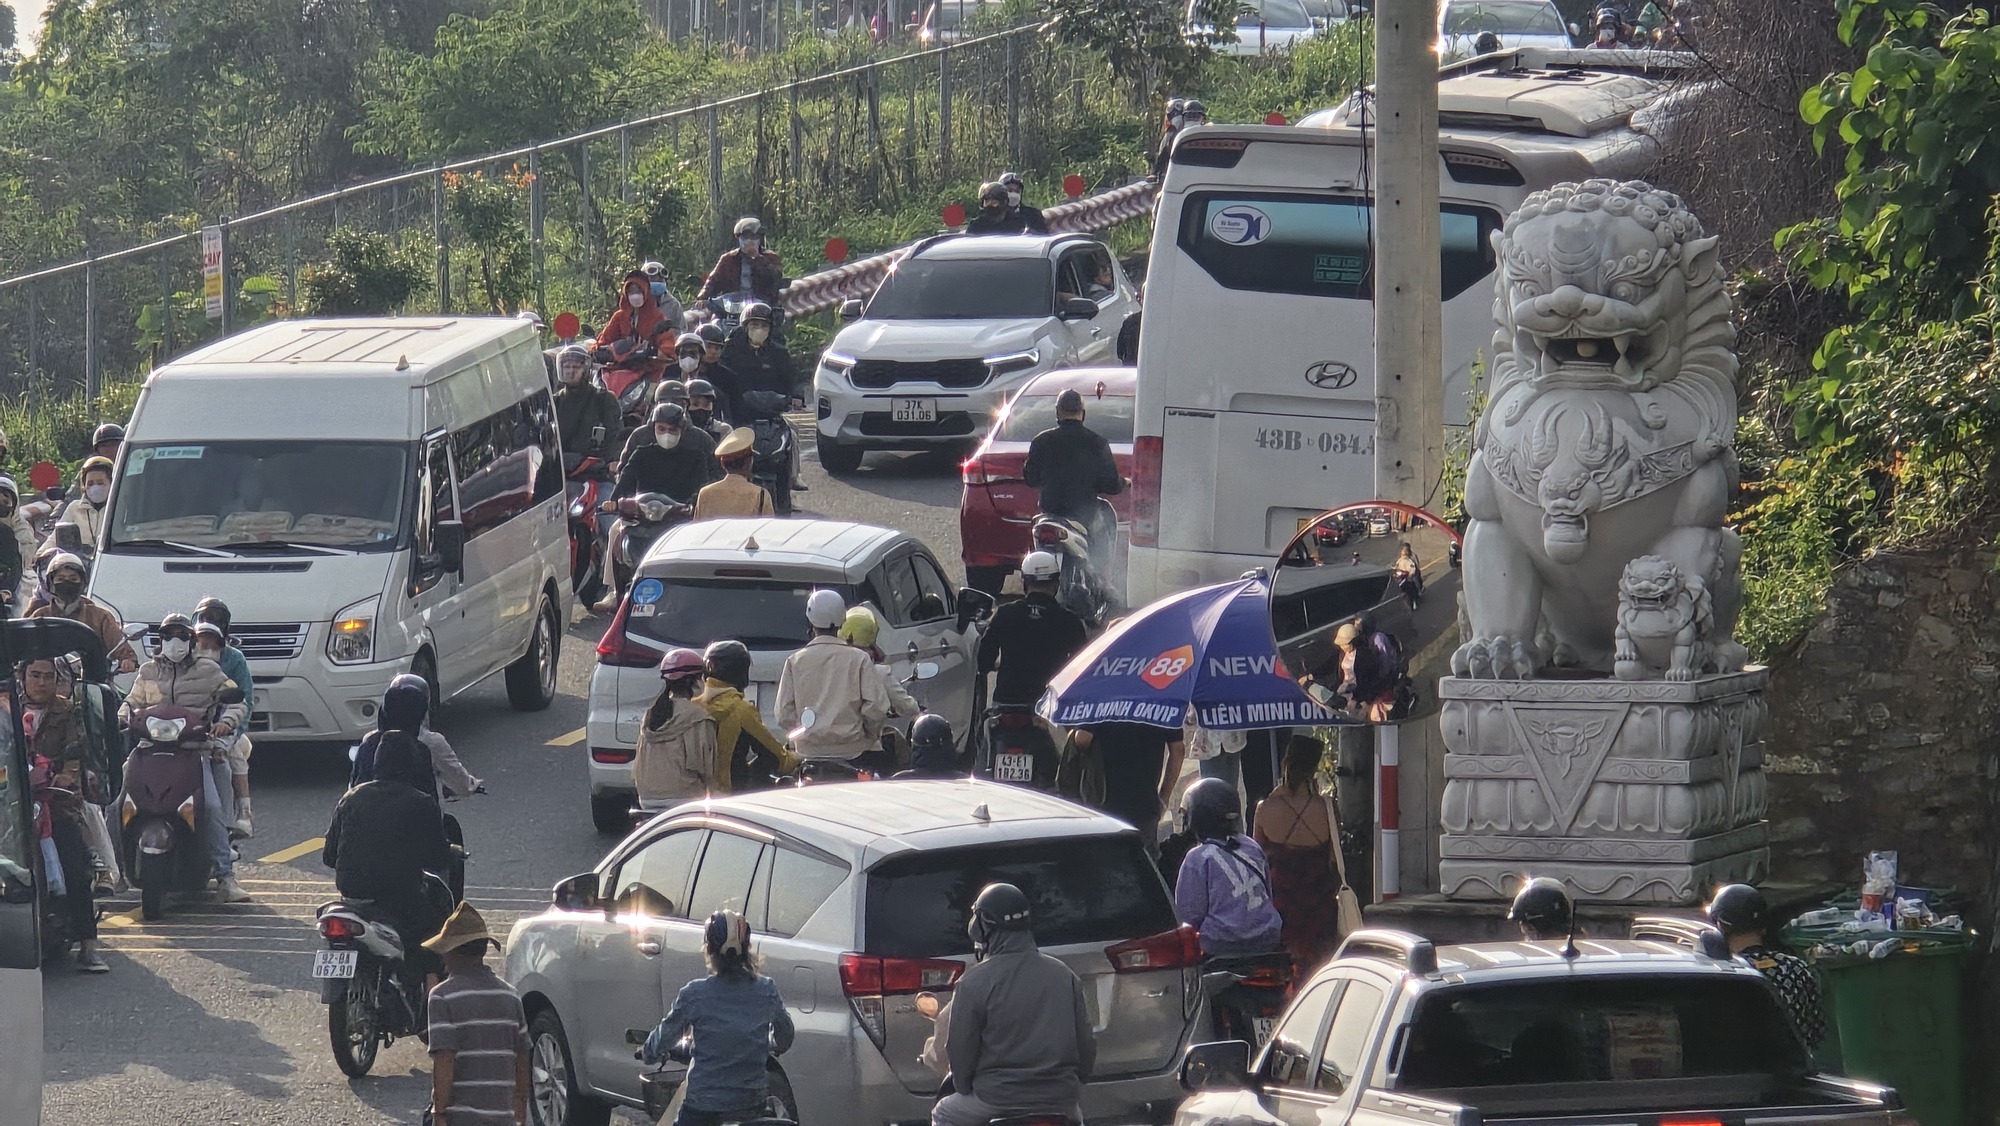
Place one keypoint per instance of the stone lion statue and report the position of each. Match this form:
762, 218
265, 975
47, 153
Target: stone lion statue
1666, 626
1609, 431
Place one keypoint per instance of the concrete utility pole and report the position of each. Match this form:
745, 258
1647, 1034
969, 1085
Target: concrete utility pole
1409, 356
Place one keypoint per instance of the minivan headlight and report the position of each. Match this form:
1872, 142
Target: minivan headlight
1013, 363
352, 640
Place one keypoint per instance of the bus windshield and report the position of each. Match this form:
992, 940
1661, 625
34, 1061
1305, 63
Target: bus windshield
234, 496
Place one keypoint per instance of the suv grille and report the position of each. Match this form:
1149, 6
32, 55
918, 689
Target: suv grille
876, 374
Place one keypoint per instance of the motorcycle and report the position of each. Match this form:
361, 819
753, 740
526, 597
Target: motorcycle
1082, 591
775, 441
1246, 993
631, 380
1017, 749
163, 852
661, 1087
641, 520
588, 478
368, 982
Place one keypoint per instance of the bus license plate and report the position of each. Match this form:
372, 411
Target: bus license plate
915, 410
1013, 768
1262, 1025
335, 963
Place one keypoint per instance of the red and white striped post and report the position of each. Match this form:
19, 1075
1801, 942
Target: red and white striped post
1388, 847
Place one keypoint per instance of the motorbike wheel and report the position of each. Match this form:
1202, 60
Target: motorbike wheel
156, 874
781, 493
350, 1026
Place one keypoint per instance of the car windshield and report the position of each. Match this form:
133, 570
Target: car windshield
1601, 1031
1503, 17
1093, 889
945, 289
1110, 416
232, 496
761, 613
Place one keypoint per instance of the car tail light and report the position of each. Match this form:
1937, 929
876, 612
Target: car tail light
867, 979
617, 648
973, 471
340, 927
1278, 977
1014, 721
1147, 451
615, 756
1169, 950
1049, 533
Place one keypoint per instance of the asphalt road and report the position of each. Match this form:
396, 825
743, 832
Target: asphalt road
210, 1016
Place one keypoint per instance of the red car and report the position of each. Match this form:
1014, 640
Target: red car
998, 506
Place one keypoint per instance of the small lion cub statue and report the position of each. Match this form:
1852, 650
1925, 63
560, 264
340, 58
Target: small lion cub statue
1666, 624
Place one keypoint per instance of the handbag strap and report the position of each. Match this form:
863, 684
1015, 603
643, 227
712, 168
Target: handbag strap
1333, 839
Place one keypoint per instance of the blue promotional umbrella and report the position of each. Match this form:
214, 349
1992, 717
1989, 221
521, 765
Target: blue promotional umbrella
1208, 649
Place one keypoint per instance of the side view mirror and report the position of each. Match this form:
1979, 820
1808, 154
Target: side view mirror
577, 893
133, 631
69, 538
449, 540
925, 670
230, 695
973, 606
1218, 1066
1575, 29
1077, 309
807, 719
850, 309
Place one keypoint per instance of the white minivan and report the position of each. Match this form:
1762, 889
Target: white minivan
370, 497
1255, 422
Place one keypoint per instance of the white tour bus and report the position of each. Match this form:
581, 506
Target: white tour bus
1256, 394
369, 496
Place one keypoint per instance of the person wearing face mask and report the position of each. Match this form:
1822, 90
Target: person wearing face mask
996, 216
1031, 218
94, 482
1171, 129
635, 327
759, 361
586, 414
669, 391
701, 410
663, 298
17, 545
182, 676
749, 268
678, 463
62, 583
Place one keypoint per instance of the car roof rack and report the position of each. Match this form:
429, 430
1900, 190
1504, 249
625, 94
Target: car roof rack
1415, 954
1695, 934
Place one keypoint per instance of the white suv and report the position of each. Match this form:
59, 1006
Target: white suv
956, 327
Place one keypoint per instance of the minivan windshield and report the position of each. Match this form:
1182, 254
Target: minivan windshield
945, 289
1502, 17
761, 613
233, 496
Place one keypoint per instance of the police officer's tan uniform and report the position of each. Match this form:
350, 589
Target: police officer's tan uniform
735, 494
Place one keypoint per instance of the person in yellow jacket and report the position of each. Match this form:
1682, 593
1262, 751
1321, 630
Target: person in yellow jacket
735, 494
748, 753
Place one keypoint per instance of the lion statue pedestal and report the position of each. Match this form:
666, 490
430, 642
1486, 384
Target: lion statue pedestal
1600, 726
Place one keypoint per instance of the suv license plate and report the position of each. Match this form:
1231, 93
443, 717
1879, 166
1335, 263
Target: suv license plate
1013, 768
914, 410
1262, 1026
335, 963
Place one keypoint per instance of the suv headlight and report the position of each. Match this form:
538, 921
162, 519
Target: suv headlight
836, 363
1013, 363
352, 640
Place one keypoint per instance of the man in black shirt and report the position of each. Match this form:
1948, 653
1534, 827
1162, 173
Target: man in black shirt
1031, 640
1741, 913
1072, 466
678, 461
1030, 218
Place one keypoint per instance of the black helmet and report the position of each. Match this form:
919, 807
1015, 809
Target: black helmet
673, 414
1542, 905
999, 908
992, 189
728, 661
1738, 909
406, 703
109, 432
931, 730
756, 311
1175, 106
1194, 109
213, 609
711, 333
1211, 809
700, 389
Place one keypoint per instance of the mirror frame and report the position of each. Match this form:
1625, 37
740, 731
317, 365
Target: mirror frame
565, 895
1215, 1066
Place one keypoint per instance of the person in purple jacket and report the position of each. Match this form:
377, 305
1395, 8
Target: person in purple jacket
1224, 887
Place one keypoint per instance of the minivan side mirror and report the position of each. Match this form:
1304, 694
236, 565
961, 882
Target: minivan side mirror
577, 893
69, 538
448, 538
850, 309
1214, 1067
973, 606
1077, 309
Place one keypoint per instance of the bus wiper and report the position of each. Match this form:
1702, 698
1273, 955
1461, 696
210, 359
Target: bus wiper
174, 545
291, 545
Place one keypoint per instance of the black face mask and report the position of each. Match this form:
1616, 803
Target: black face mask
67, 589
700, 417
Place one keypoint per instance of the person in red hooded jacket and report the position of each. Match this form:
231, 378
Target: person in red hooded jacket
637, 324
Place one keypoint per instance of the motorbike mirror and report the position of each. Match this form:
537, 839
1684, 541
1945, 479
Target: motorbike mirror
973, 606
1385, 569
69, 538
230, 695
1216, 1067
133, 631
926, 670
354, 753
1575, 29
577, 893
1077, 309
449, 540
807, 719
850, 309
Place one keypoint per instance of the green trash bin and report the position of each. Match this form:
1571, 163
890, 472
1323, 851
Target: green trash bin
1897, 1020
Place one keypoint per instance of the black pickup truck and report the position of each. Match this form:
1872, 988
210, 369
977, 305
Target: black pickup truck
1667, 1031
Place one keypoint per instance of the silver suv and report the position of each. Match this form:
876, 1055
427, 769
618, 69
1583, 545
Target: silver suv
858, 894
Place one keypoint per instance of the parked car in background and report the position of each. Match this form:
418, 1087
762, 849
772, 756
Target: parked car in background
1265, 26
748, 580
955, 328
1515, 23
998, 506
857, 896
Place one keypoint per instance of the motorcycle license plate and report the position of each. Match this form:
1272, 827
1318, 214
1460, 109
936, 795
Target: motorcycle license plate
335, 963
1013, 768
914, 410
1262, 1027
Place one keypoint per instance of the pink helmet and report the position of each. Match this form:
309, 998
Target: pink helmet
679, 664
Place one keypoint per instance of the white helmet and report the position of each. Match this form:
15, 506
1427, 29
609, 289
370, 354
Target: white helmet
1040, 565
826, 609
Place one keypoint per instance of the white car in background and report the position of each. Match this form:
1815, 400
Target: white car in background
748, 580
957, 326
1516, 23
1265, 26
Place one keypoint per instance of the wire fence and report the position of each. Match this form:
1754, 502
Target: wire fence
554, 225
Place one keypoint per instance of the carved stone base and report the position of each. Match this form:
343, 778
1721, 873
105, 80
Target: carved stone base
1629, 791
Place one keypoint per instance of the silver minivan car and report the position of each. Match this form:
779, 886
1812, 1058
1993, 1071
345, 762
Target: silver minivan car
858, 895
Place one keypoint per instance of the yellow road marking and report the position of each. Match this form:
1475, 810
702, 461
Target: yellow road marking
569, 740
286, 856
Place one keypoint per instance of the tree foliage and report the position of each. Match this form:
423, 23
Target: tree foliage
365, 274
1143, 40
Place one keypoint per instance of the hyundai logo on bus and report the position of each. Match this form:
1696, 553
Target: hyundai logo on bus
1331, 375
